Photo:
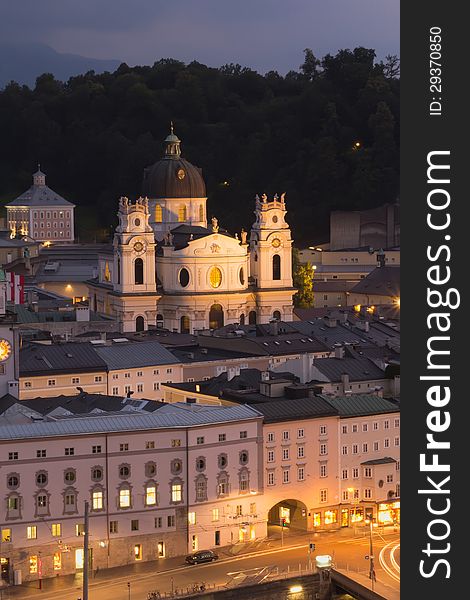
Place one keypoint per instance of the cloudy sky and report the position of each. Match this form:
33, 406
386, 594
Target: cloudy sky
262, 34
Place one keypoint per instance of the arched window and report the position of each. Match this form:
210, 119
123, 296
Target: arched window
241, 276
252, 317
118, 278
201, 212
184, 324
139, 271
182, 213
158, 213
216, 316
140, 324
277, 315
242, 319
276, 267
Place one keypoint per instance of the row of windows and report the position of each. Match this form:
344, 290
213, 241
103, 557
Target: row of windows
285, 454
55, 214
367, 473
53, 225
53, 382
55, 529
286, 435
286, 475
366, 447
182, 213
364, 427
47, 234
128, 375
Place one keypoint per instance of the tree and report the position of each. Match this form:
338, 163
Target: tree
303, 280
391, 67
310, 65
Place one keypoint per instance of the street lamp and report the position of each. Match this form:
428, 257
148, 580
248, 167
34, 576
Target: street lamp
372, 576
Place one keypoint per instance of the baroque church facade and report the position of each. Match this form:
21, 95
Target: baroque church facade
168, 267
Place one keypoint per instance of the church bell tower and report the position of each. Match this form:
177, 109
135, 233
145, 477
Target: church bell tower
271, 259
134, 285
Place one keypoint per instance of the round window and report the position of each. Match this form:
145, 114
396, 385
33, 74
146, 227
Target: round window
184, 277
124, 471
97, 474
242, 276
41, 479
215, 277
69, 476
13, 481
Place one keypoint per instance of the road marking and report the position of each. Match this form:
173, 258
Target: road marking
391, 546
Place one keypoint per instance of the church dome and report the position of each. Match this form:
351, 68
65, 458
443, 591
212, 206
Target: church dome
173, 176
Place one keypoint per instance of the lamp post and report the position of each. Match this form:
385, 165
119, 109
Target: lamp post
372, 576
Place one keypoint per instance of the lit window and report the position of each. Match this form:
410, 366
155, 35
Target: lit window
192, 518
215, 514
97, 500
6, 536
31, 532
57, 561
176, 492
215, 277
33, 564
56, 529
150, 495
124, 498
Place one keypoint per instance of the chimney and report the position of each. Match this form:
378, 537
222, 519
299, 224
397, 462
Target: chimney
339, 352
265, 376
103, 336
345, 382
274, 327
380, 258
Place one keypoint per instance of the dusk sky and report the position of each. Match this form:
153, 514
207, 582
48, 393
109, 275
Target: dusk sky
262, 34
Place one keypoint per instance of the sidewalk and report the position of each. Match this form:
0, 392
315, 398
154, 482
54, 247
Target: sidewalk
380, 588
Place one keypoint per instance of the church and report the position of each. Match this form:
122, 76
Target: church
170, 266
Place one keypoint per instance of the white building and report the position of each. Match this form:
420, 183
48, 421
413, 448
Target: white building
161, 484
169, 268
41, 214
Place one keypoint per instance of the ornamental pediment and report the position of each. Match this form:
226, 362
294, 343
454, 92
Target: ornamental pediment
213, 245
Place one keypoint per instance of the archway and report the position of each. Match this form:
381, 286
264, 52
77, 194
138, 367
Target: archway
277, 315
216, 316
252, 317
184, 324
242, 319
290, 515
140, 324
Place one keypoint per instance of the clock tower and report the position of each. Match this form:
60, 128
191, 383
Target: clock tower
134, 295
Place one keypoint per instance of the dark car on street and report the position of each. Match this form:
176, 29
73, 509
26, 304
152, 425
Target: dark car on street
201, 556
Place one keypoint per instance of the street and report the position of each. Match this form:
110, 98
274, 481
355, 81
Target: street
349, 554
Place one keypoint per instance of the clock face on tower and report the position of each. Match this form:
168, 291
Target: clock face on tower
276, 243
139, 247
5, 350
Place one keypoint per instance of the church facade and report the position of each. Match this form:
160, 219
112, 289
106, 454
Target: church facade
168, 267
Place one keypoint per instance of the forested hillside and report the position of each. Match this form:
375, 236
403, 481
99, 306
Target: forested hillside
327, 135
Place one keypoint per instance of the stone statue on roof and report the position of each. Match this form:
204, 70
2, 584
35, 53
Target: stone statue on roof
215, 224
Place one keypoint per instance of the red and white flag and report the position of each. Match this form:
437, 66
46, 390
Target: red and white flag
15, 288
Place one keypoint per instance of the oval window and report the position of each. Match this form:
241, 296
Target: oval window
137, 222
242, 276
215, 277
274, 219
184, 277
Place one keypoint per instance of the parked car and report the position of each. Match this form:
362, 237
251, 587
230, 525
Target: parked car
201, 556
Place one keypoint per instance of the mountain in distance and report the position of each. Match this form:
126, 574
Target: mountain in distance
23, 62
